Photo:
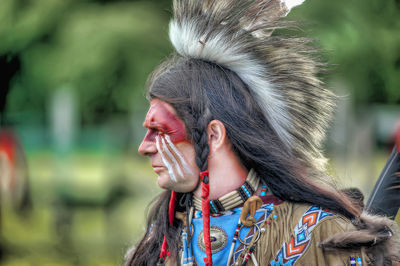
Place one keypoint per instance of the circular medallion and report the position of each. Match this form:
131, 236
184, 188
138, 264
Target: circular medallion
218, 238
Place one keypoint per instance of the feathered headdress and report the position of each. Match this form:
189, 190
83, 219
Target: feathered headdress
279, 71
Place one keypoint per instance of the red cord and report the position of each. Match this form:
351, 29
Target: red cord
171, 208
164, 249
171, 215
205, 208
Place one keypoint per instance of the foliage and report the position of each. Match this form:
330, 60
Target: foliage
363, 41
103, 50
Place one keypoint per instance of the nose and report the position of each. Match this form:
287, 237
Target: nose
147, 148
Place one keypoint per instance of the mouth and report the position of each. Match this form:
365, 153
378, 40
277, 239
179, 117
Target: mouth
158, 168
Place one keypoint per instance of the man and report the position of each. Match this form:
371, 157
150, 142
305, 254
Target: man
235, 125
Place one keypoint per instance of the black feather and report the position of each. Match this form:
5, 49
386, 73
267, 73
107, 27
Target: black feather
385, 197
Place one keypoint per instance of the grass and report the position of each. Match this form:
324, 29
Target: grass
73, 222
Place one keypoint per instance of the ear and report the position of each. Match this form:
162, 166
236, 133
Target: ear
216, 135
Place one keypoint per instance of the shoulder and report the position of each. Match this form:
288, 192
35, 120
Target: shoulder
302, 234
334, 226
377, 235
314, 226
301, 228
318, 220
305, 217
325, 238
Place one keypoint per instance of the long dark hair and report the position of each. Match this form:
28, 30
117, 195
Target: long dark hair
201, 91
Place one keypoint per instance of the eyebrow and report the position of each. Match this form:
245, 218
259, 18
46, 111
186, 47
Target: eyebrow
153, 126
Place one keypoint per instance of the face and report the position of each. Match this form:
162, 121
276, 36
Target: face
166, 143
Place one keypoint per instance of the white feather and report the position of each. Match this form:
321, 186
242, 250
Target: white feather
292, 3
186, 41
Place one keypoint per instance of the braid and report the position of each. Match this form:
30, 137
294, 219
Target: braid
200, 139
202, 150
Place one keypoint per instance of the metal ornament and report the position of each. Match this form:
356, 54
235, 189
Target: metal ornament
219, 239
257, 230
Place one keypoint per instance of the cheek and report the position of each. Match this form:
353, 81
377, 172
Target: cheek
177, 133
188, 153
178, 137
175, 128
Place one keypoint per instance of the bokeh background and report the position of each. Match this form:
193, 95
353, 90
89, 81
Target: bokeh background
73, 189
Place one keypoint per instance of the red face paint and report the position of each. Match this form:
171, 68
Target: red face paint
161, 119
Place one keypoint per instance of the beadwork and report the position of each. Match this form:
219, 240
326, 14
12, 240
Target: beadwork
298, 243
263, 190
234, 198
251, 233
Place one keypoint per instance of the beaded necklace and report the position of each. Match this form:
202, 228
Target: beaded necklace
234, 198
234, 251
226, 205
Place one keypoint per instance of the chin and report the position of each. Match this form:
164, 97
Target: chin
165, 182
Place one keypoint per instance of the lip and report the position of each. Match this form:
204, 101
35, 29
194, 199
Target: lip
158, 168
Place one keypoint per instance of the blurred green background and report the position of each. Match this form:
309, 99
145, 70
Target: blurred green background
72, 102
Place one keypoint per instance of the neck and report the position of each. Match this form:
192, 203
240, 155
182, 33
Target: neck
226, 175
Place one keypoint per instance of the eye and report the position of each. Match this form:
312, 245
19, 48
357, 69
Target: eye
159, 130
156, 131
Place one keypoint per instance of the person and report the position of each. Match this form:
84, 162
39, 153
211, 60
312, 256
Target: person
234, 130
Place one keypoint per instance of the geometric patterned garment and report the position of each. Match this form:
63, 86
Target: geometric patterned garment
225, 222
290, 252
250, 234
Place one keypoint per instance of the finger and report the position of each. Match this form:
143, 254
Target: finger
172, 158
165, 161
179, 155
